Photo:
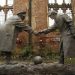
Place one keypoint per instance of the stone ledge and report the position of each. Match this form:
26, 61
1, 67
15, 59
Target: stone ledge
40, 69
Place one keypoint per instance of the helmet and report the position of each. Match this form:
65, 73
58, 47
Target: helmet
53, 12
21, 13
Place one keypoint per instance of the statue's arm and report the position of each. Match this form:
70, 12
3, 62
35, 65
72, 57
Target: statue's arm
47, 30
23, 27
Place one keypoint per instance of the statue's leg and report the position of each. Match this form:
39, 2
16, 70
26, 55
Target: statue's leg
8, 57
61, 60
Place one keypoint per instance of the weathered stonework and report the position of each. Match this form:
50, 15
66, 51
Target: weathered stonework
39, 14
40, 69
38, 9
20, 5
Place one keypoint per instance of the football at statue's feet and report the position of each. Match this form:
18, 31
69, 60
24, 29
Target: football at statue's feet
37, 60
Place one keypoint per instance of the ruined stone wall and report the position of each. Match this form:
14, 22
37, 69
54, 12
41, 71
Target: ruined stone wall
39, 14
38, 9
20, 5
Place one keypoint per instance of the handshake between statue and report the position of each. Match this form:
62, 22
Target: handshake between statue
29, 29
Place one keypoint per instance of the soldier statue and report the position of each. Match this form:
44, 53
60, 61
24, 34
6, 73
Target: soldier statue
8, 33
67, 34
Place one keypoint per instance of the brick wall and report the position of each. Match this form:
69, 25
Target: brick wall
39, 14
39, 11
20, 5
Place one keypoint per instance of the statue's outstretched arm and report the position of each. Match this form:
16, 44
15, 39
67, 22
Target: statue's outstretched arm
46, 31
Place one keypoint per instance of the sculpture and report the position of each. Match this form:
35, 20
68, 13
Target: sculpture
9, 32
67, 34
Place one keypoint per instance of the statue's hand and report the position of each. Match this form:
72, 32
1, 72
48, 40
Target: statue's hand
28, 28
35, 33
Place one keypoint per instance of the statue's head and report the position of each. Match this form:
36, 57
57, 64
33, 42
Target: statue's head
52, 14
22, 15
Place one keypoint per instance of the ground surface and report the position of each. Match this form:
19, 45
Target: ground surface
39, 69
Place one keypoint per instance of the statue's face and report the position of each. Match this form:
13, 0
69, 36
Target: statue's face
22, 16
52, 16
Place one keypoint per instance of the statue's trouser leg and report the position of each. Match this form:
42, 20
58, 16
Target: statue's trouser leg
61, 54
8, 57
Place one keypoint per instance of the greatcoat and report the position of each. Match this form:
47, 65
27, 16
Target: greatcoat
7, 33
67, 33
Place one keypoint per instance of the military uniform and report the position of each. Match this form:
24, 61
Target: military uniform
67, 34
7, 33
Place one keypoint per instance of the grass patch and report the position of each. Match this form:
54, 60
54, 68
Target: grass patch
69, 61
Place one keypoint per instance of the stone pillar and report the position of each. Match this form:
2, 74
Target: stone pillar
39, 14
20, 5
39, 20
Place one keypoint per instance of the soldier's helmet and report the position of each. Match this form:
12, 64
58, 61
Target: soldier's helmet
14, 19
22, 15
53, 12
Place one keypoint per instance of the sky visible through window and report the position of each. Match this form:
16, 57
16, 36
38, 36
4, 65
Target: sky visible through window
9, 2
2, 2
2, 14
